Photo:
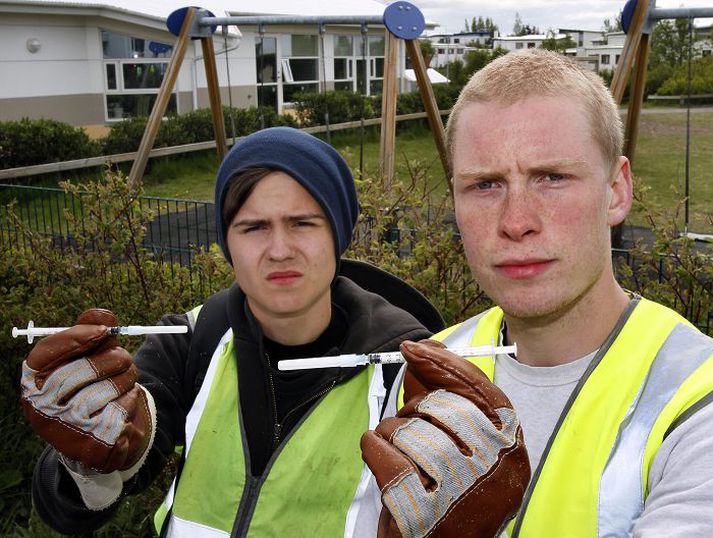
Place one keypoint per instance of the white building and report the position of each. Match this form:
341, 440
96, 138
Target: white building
582, 38
607, 50
91, 63
531, 41
450, 47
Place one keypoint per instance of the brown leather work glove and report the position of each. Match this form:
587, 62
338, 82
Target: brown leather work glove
79, 393
453, 461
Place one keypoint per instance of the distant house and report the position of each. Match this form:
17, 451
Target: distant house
511, 43
606, 50
92, 63
450, 47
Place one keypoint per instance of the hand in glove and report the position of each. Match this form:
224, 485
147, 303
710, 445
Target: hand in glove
453, 461
79, 393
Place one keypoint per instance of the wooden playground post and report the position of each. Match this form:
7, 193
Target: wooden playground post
388, 110
216, 108
429, 101
164, 94
636, 98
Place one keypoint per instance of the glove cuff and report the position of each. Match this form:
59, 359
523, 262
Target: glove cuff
101, 490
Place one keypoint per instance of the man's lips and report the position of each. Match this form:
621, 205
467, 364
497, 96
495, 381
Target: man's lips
283, 277
526, 268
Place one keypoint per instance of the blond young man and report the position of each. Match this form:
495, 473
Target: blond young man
612, 390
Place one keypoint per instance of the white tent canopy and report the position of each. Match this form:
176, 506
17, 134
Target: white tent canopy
434, 76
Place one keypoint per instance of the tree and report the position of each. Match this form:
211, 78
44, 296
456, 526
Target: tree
610, 26
558, 45
426, 47
517, 27
481, 25
669, 42
520, 29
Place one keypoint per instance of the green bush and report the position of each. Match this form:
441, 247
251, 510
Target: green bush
28, 142
108, 268
341, 105
196, 126
701, 78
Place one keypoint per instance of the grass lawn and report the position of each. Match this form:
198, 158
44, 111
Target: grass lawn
659, 165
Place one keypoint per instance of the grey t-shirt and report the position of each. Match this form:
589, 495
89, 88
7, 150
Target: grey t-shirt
680, 501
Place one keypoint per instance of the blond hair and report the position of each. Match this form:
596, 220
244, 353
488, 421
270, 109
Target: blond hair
538, 72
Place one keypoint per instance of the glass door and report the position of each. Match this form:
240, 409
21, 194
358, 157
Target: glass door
266, 63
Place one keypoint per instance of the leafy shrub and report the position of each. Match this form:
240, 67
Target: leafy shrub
673, 269
701, 78
105, 267
341, 105
196, 126
28, 142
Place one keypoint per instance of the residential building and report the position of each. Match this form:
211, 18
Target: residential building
91, 63
450, 47
511, 43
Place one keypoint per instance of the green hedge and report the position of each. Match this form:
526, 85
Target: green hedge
27, 142
196, 126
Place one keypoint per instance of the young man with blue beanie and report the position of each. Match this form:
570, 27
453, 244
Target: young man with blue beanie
266, 452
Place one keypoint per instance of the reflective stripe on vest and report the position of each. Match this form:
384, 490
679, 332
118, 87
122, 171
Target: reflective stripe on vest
593, 481
313, 484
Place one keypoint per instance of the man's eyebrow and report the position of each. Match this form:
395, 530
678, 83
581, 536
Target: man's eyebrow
306, 216
289, 218
250, 222
485, 173
560, 163
477, 173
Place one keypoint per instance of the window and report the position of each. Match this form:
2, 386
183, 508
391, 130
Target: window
133, 71
343, 52
441, 51
456, 40
300, 65
377, 48
605, 59
617, 58
459, 51
531, 45
518, 45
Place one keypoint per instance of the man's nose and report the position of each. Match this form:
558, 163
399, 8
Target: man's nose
280, 244
519, 216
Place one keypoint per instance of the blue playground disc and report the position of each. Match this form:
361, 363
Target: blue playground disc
627, 14
404, 20
174, 22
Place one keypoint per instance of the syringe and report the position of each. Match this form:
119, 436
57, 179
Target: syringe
131, 330
358, 359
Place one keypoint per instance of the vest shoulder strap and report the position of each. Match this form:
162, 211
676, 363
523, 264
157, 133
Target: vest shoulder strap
210, 326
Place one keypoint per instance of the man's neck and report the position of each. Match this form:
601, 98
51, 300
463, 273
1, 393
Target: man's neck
579, 331
297, 329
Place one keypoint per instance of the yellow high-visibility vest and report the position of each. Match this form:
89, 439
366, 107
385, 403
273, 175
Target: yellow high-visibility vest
313, 483
593, 476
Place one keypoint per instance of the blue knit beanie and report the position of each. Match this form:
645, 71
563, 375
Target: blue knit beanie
314, 164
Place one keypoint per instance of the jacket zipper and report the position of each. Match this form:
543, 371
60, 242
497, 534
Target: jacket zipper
277, 428
247, 505
252, 483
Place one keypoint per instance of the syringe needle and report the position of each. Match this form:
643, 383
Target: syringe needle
131, 330
357, 359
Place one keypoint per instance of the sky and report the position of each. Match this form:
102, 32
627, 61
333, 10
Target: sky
544, 14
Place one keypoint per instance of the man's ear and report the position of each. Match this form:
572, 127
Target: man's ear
620, 192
